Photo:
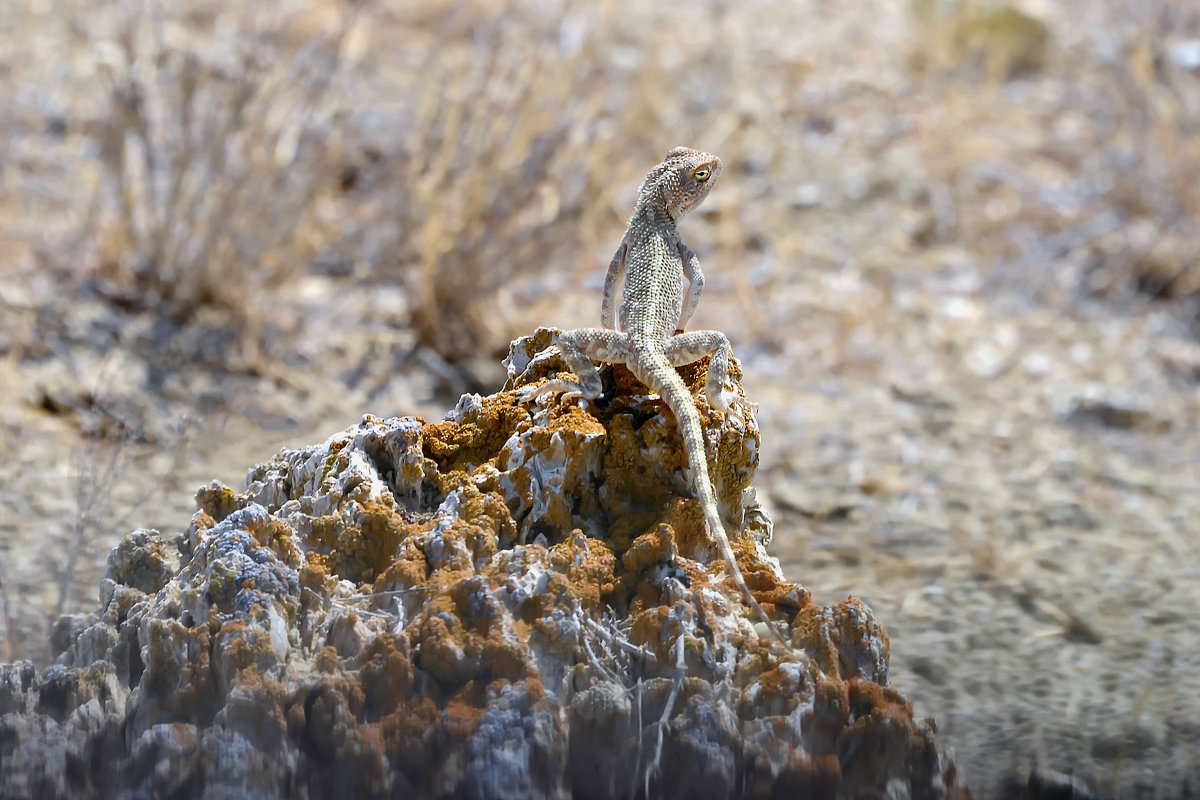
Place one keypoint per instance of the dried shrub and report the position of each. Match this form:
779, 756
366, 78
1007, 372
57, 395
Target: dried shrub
1151, 151
212, 147
487, 175
238, 151
998, 40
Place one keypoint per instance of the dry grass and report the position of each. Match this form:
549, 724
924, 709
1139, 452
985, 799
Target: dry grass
212, 142
451, 193
456, 150
1152, 151
227, 153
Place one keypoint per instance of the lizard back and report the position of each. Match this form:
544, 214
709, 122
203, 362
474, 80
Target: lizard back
653, 295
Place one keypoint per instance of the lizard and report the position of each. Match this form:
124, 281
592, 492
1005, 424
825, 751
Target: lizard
654, 310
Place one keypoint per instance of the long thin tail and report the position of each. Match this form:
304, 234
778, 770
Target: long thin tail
674, 392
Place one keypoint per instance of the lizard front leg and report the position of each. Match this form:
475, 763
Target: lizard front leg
616, 270
579, 348
691, 271
686, 348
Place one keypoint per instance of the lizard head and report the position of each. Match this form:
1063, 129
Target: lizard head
681, 181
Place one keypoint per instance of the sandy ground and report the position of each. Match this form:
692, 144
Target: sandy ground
938, 248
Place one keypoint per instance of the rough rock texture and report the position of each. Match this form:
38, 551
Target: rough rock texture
496, 605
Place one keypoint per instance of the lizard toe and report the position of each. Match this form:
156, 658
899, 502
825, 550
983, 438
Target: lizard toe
569, 390
724, 402
528, 394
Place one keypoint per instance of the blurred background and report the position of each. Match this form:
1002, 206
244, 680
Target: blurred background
956, 246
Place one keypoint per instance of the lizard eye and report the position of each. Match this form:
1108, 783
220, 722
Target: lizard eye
702, 174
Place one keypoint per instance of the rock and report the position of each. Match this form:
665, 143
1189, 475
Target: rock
1049, 785
1186, 54
512, 602
1178, 357
1089, 411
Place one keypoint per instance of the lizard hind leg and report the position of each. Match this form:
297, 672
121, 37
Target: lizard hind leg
686, 348
578, 349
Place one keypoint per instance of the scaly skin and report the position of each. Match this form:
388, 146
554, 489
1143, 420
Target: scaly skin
654, 262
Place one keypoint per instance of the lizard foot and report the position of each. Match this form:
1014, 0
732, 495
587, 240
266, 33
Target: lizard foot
725, 402
568, 389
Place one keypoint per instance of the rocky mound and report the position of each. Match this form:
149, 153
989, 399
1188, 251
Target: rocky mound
508, 603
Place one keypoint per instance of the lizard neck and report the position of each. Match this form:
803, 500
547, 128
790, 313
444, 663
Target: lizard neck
655, 215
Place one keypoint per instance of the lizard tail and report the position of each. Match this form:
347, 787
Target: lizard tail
664, 380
